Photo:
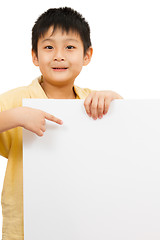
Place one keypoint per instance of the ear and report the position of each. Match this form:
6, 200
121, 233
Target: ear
35, 58
88, 56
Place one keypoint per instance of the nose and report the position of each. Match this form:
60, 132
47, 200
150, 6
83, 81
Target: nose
59, 56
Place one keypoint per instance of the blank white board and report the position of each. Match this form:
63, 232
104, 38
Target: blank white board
93, 179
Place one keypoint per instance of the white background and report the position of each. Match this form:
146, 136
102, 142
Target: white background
125, 36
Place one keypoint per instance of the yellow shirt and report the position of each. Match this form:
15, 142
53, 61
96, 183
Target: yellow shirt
11, 148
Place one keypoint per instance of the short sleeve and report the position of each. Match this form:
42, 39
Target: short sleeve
4, 139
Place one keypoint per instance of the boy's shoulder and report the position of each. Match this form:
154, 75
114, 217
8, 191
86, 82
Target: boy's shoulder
82, 93
12, 98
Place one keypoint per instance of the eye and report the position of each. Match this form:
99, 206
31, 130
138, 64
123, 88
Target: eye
70, 47
49, 47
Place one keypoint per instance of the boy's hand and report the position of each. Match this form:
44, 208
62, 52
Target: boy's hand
34, 120
97, 103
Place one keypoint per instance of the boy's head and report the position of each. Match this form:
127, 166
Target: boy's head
66, 19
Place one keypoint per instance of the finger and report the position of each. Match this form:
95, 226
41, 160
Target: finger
107, 103
87, 104
40, 133
94, 105
100, 107
53, 118
43, 128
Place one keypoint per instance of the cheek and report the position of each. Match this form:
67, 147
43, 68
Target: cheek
77, 60
44, 58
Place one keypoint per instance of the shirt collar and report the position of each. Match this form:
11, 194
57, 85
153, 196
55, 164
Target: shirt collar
36, 86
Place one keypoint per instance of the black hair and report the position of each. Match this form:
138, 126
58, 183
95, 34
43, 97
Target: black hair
65, 18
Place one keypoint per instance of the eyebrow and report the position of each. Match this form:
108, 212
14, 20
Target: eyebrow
52, 40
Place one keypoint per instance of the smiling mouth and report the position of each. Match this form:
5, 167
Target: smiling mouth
60, 69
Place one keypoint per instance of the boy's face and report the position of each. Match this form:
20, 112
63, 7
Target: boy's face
60, 56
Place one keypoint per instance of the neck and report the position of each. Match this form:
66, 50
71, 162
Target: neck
58, 92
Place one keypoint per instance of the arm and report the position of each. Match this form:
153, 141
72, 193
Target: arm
29, 118
97, 103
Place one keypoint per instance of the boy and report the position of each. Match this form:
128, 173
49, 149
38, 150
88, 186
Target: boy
61, 46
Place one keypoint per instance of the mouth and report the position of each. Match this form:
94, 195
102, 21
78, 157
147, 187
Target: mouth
58, 69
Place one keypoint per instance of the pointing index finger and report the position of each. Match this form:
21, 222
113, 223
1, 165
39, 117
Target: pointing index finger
53, 118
